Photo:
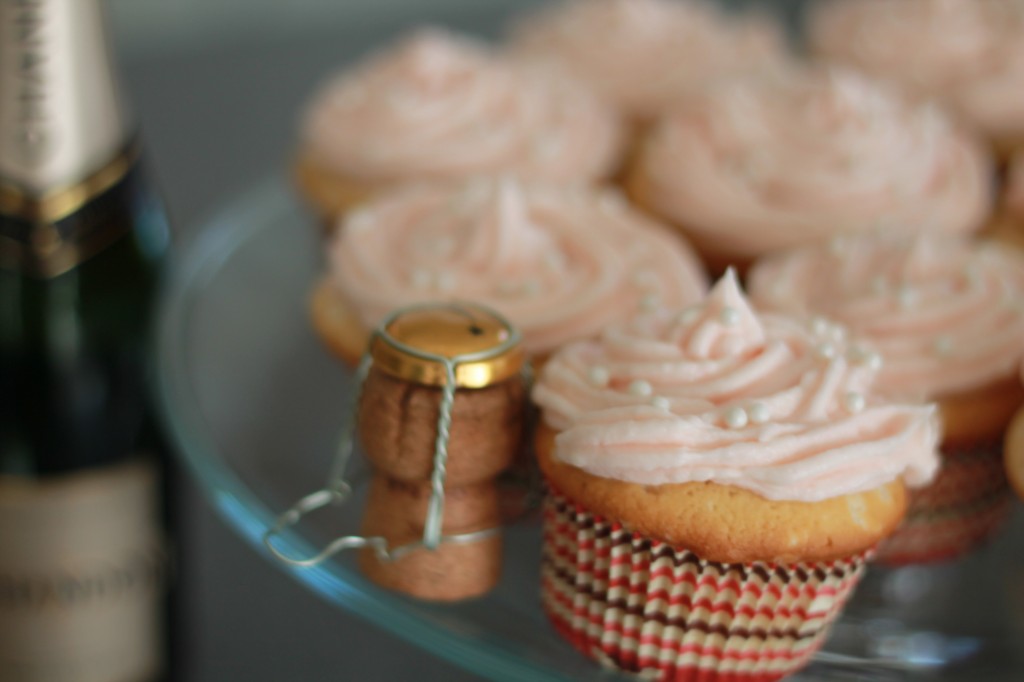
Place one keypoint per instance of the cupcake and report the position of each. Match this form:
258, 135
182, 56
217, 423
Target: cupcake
717, 479
643, 55
766, 163
947, 316
966, 53
560, 264
1014, 451
437, 107
1007, 224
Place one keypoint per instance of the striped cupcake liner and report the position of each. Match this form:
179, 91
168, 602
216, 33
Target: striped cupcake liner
641, 606
960, 509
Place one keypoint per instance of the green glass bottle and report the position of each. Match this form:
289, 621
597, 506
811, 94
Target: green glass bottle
84, 514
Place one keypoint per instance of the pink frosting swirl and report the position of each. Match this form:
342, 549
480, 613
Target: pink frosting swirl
642, 55
767, 163
439, 107
946, 314
721, 393
561, 264
969, 53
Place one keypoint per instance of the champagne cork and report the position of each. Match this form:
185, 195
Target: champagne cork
399, 418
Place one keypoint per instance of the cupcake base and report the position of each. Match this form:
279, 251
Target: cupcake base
965, 504
330, 194
641, 606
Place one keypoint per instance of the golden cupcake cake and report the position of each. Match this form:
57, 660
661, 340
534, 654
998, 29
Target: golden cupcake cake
717, 479
560, 263
766, 163
643, 55
968, 54
947, 317
441, 107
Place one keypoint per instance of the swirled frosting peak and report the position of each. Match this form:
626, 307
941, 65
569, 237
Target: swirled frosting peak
642, 55
720, 392
968, 53
437, 106
559, 263
946, 314
766, 163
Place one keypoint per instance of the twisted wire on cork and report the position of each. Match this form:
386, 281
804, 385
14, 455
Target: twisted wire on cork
338, 489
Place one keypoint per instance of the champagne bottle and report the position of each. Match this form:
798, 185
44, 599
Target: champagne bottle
83, 485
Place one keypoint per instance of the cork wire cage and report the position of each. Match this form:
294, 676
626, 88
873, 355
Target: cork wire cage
451, 371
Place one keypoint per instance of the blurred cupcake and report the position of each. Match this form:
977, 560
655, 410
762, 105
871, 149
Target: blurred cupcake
947, 316
716, 482
1007, 224
561, 264
1014, 451
643, 55
438, 107
966, 53
769, 163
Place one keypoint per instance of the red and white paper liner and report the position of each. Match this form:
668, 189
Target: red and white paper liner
642, 606
960, 509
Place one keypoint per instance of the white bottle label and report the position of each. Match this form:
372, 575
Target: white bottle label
82, 568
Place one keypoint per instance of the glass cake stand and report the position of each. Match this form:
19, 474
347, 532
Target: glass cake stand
254, 404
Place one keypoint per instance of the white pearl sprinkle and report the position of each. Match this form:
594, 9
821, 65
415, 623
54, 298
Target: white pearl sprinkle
854, 402
660, 402
649, 302
837, 333
943, 345
689, 316
730, 317
599, 376
819, 325
865, 356
445, 281
758, 413
640, 388
736, 417
826, 351
421, 279
906, 296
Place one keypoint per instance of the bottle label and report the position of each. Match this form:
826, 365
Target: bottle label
82, 571
48, 236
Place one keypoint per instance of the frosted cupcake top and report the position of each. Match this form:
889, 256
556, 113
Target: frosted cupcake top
437, 106
561, 264
642, 55
760, 164
945, 313
969, 53
722, 393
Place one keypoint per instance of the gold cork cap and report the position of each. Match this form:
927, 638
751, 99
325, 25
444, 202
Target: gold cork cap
414, 343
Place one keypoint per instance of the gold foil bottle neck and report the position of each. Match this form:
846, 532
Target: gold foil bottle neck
414, 344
